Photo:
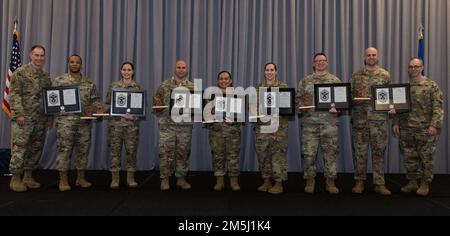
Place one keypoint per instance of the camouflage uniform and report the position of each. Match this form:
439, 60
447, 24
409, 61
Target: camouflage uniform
123, 131
272, 147
320, 128
26, 100
368, 127
174, 138
417, 146
225, 141
73, 133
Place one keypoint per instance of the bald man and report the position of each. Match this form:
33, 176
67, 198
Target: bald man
369, 128
174, 137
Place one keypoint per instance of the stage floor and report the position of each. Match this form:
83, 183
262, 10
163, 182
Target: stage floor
201, 200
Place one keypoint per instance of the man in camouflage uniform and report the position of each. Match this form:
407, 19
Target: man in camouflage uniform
28, 121
225, 141
174, 138
271, 148
419, 129
72, 132
320, 128
369, 128
123, 130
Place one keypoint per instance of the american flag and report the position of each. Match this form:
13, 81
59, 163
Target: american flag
14, 63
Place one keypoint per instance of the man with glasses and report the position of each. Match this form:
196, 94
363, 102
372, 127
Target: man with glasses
369, 128
419, 129
320, 128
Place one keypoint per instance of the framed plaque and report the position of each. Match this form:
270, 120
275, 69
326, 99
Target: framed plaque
274, 98
336, 95
184, 101
230, 106
57, 99
386, 97
128, 101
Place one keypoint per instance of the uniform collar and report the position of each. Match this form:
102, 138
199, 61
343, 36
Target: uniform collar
184, 82
131, 84
276, 83
375, 72
35, 70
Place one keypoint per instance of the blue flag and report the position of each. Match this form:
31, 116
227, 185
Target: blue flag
421, 51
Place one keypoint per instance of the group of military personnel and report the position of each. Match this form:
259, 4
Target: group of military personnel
418, 129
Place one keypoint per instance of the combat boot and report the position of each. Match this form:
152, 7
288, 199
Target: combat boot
64, 181
16, 184
410, 186
277, 188
359, 187
115, 180
423, 190
219, 183
310, 185
381, 189
81, 180
234, 184
29, 181
130, 180
165, 184
330, 186
182, 183
265, 186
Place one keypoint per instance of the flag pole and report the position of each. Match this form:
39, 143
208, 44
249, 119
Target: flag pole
421, 46
15, 25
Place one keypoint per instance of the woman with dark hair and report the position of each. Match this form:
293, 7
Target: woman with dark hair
124, 131
225, 141
271, 146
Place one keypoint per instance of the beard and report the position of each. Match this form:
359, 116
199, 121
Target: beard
371, 62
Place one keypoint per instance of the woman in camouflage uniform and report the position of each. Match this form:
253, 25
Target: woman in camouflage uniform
124, 130
225, 141
271, 147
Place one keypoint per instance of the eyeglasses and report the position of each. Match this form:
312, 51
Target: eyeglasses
414, 67
318, 61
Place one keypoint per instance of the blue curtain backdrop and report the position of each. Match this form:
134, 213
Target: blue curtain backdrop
236, 35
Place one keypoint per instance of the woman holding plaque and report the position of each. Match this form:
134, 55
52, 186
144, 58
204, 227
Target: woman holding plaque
124, 130
271, 140
225, 140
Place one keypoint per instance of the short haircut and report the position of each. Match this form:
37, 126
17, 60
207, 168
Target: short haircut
37, 46
320, 54
75, 55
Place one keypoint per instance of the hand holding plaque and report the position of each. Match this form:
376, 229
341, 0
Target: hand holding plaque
392, 98
125, 101
61, 100
158, 104
332, 97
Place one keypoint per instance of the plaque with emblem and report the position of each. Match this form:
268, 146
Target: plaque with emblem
128, 101
336, 95
275, 100
186, 102
61, 99
230, 107
392, 96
